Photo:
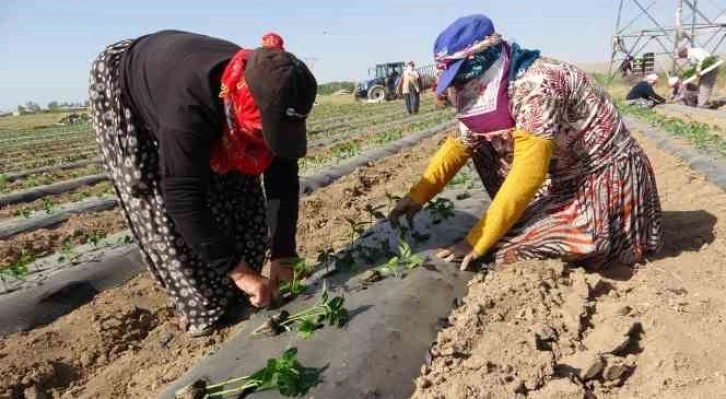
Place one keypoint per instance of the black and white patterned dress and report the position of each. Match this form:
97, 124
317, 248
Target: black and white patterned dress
130, 155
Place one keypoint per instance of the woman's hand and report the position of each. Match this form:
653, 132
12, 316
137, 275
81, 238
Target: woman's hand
281, 271
461, 253
404, 207
257, 287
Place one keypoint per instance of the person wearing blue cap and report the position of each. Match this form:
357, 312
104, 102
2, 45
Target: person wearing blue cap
566, 177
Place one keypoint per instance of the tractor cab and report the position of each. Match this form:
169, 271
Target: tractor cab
381, 82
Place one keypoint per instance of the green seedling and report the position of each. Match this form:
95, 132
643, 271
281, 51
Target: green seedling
356, 229
48, 205
440, 210
325, 311
345, 259
326, 257
284, 374
300, 269
18, 269
67, 246
96, 236
23, 212
4, 181
374, 212
405, 260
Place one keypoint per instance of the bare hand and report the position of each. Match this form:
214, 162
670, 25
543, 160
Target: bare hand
256, 286
281, 271
404, 207
461, 253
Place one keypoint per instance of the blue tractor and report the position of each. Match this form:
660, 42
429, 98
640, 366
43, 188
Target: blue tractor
382, 84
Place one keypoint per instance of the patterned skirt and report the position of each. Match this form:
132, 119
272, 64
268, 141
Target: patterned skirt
201, 294
601, 217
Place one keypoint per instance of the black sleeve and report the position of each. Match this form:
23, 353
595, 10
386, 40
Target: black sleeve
652, 95
184, 166
282, 188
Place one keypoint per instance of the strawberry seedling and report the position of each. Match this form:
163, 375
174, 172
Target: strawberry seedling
23, 212
405, 260
326, 258
440, 209
48, 205
18, 269
300, 269
284, 374
326, 310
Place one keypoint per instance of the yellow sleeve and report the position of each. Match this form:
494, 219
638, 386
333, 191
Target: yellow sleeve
452, 155
529, 170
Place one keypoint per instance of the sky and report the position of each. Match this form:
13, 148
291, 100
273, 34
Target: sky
46, 46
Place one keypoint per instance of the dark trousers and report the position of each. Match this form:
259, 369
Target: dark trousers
412, 101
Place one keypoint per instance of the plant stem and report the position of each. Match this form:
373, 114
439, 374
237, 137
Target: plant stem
238, 390
227, 382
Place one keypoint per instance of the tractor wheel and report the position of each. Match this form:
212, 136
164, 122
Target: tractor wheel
377, 93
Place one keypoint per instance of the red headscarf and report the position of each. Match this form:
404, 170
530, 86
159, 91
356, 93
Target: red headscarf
242, 147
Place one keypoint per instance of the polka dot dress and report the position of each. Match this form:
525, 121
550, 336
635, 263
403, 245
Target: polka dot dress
201, 294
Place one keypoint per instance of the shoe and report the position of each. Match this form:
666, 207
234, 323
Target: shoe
200, 331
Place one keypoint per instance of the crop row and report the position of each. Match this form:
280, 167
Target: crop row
72, 236
701, 135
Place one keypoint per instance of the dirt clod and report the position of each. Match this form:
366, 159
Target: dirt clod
585, 365
615, 369
195, 390
610, 337
560, 388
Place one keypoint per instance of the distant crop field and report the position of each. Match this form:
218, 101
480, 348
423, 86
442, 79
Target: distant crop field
34, 121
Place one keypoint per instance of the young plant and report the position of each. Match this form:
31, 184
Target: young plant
325, 310
356, 229
23, 212
48, 205
300, 269
405, 260
440, 209
326, 257
18, 269
374, 212
284, 374
96, 236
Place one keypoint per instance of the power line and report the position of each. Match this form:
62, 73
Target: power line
639, 30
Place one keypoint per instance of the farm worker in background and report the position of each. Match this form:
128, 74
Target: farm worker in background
643, 95
390, 81
566, 178
686, 94
697, 57
410, 85
187, 125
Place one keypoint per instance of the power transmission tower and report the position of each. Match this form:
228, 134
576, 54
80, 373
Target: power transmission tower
650, 31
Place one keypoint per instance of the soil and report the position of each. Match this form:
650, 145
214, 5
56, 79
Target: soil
79, 229
534, 329
542, 330
97, 350
50, 177
96, 190
715, 118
